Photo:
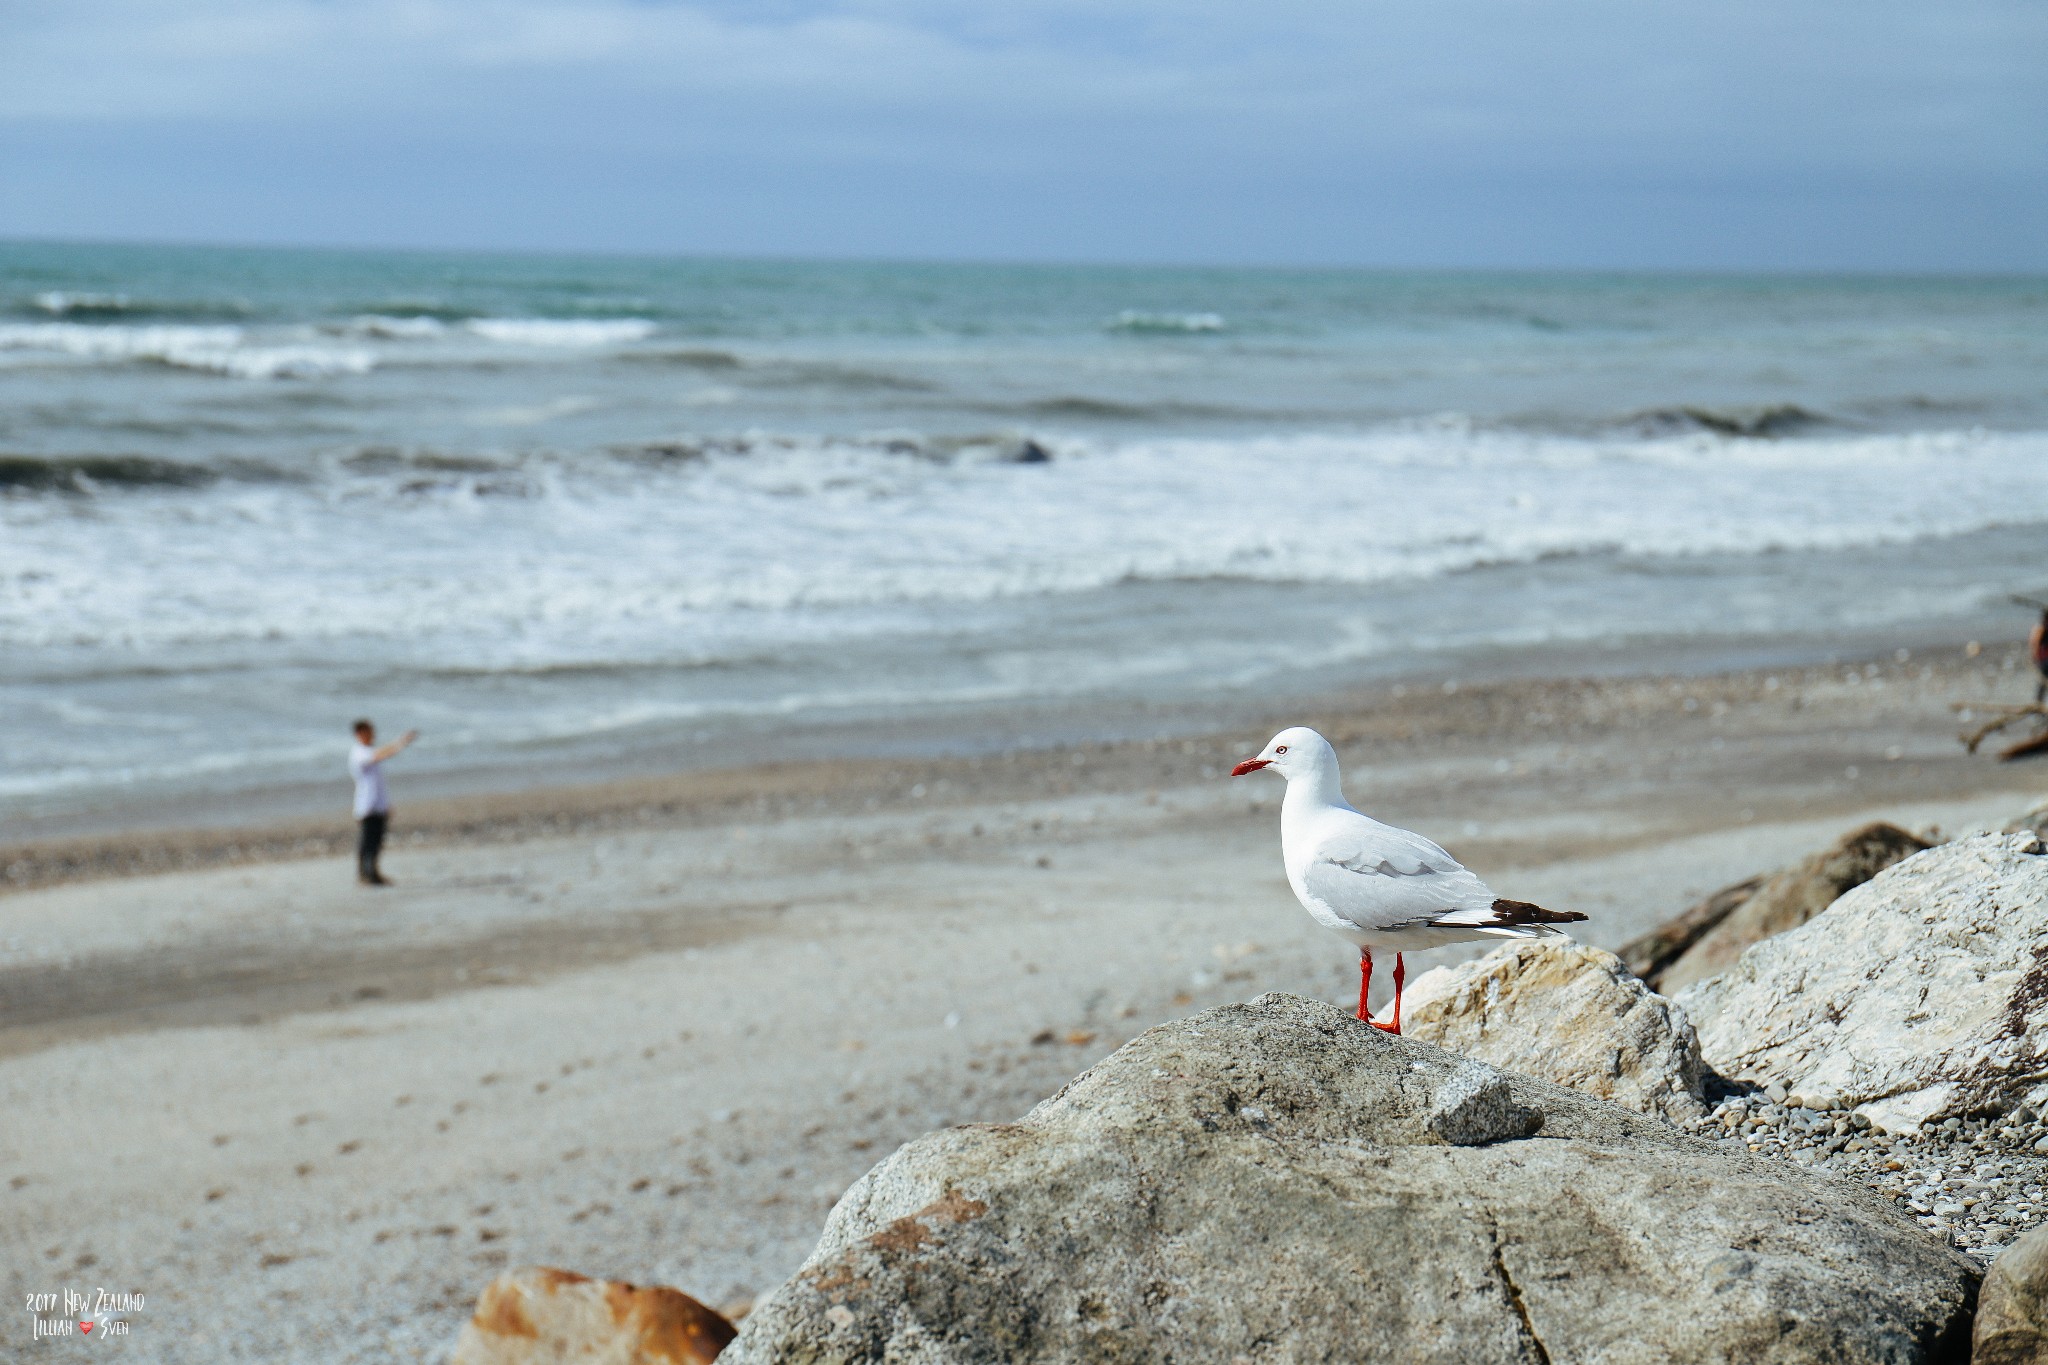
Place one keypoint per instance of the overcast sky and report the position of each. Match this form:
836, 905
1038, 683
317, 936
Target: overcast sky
1783, 134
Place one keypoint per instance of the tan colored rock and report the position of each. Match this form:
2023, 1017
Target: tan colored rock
1790, 899
1566, 1013
2012, 1308
543, 1316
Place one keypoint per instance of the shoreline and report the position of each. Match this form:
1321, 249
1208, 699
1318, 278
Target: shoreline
942, 728
1165, 745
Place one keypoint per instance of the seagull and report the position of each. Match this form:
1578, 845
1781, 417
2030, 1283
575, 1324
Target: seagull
1379, 886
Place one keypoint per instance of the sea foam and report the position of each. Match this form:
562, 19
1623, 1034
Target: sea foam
1132, 321
624, 557
562, 331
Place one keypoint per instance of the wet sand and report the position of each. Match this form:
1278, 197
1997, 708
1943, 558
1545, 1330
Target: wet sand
651, 1029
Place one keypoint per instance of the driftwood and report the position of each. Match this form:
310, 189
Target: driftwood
2025, 748
1709, 937
2002, 715
1648, 955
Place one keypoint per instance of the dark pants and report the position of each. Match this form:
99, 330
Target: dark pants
369, 843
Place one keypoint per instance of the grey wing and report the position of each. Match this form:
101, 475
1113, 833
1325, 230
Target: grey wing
1378, 877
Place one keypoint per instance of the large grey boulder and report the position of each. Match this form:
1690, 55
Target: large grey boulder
1785, 901
1564, 1012
1277, 1182
1919, 995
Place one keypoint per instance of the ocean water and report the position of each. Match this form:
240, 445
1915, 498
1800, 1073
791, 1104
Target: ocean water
563, 512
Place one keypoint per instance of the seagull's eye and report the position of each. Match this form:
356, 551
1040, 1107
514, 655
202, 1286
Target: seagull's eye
1281, 750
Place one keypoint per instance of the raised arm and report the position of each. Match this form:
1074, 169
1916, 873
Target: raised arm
395, 747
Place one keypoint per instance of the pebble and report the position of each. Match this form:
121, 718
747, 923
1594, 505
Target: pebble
1975, 1183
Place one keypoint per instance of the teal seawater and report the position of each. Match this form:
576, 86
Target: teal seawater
577, 506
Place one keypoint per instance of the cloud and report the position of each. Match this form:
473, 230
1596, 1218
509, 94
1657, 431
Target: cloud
1055, 97
121, 59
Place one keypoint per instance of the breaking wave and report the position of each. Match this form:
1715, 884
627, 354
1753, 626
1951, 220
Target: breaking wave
1191, 323
214, 350
659, 542
562, 331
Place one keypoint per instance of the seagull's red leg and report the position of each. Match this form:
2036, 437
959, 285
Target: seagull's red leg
1365, 985
1400, 975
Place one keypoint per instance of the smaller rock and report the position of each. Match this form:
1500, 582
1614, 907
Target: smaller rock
543, 1316
1474, 1107
1567, 1013
2012, 1308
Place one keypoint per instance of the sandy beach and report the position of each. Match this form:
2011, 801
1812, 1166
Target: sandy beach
652, 1029
813, 503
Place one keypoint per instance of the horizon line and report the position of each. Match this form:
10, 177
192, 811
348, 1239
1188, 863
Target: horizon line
1022, 263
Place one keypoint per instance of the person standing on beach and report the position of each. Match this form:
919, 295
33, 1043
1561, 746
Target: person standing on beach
373, 798
2037, 645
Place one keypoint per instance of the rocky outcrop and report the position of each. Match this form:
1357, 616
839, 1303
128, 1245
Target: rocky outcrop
1919, 995
1567, 1013
1787, 900
2012, 1310
542, 1316
1276, 1181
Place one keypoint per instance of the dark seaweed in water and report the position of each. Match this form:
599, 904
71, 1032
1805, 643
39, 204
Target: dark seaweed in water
1074, 406
77, 473
689, 358
386, 459
935, 449
91, 307
1778, 419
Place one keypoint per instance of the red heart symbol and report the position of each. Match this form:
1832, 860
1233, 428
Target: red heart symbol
85, 1327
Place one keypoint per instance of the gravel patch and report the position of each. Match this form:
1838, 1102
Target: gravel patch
1976, 1183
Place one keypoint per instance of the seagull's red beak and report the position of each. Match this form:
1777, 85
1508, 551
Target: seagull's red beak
1251, 765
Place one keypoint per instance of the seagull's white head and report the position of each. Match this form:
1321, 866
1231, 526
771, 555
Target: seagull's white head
1297, 752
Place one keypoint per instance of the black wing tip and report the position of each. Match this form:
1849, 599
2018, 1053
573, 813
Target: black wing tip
1522, 912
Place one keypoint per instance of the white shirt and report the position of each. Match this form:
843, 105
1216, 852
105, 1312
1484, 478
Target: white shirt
371, 796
